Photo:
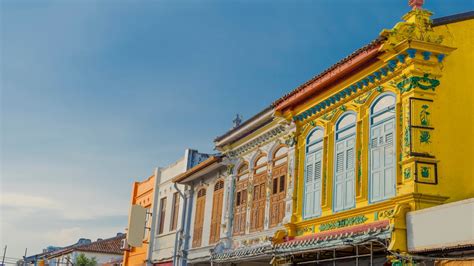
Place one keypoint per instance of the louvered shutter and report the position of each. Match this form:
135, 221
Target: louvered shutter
309, 186
216, 212
318, 171
344, 188
382, 161
350, 174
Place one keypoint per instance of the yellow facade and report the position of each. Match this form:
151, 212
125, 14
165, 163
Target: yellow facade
428, 70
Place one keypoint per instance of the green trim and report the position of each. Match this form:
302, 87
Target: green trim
406, 137
424, 83
424, 115
425, 172
407, 173
425, 136
360, 219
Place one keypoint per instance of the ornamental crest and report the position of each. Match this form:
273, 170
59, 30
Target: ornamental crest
417, 26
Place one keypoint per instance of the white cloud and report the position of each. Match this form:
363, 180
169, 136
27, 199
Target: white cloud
24, 201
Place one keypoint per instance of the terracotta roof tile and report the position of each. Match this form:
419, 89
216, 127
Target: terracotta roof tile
369, 46
110, 245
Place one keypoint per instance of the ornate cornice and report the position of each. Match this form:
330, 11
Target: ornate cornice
258, 141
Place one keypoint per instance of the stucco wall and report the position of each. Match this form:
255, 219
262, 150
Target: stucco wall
455, 127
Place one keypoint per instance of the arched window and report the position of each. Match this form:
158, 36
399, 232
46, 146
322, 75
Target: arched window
261, 164
313, 173
344, 162
382, 156
278, 193
240, 199
216, 216
199, 217
243, 172
257, 212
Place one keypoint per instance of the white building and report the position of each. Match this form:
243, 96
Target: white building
167, 222
205, 191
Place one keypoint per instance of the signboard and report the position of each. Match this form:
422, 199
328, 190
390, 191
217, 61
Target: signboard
136, 226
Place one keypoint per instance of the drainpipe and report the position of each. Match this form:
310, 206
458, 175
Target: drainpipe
154, 217
178, 239
187, 225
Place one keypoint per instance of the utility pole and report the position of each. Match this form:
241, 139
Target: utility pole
4, 253
24, 257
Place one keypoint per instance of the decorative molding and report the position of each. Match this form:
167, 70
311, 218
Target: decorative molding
372, 79
359, 219
258, 141
424, 83
417, 26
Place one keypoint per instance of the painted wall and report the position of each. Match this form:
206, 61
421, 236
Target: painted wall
164, 243
454, 144
208, 183
142, 194
431, 71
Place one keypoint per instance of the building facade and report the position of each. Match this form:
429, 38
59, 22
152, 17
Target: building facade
171, 205
203, 229
332, 172
164, 204
258, 187
142, 194
376, 140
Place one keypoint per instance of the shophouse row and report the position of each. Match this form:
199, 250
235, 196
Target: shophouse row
367, 163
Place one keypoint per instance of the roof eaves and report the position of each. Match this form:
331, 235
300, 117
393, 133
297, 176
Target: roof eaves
211, 160
243, 124
453, 18
372, 44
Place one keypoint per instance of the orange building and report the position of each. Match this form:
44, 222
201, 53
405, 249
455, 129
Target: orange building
142, 194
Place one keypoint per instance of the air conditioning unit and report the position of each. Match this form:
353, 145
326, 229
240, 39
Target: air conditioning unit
124, 245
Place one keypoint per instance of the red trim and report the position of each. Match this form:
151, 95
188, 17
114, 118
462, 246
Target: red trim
323, 81
167, 263
352, 229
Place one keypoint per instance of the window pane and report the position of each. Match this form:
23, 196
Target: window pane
281, 161
346, 120
383, 116
383, 103
261, 160
237, 201
261, 170
275, 185
281, 151
282, 183
315, 136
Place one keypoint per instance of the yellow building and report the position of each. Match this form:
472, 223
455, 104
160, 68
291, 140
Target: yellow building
385, 131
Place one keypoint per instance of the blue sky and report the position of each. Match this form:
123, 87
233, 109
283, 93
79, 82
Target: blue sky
95, 94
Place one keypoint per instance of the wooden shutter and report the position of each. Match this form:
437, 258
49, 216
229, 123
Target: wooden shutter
217, 199
240, 200
258, 203
199, 217
175, 214
162, 215
382, 161
278, 193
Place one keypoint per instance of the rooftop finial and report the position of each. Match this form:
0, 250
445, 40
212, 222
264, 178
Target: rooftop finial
415, 4
237, 120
